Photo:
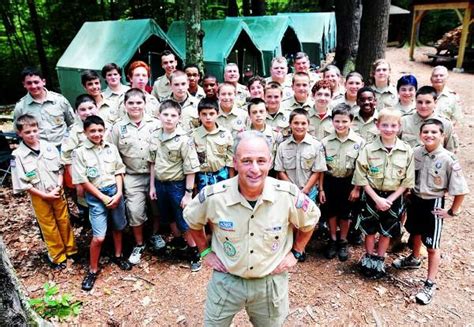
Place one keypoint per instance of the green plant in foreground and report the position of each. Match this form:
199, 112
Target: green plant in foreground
54, 305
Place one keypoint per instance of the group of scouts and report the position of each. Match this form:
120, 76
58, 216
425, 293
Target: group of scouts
373, 157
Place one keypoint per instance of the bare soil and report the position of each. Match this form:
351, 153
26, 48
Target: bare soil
162, 292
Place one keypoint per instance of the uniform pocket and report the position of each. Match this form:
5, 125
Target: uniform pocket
289, 160
307, 160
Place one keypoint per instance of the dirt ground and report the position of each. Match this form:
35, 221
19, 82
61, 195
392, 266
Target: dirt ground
165, 293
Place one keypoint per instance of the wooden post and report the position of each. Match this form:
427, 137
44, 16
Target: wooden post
465, 32
417, 16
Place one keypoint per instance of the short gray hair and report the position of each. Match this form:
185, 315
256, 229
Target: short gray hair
252, 135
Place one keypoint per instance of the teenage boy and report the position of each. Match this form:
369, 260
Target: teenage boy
385, 169
278, 74
51, 110
320, 122
90, 81
98, 167
112, 74
301, 97
173, 165
131, 136
210, 86
162, 86
231, 76
437, 172
194, 76
425, 109
37, 170
213, 145
230, 117
365, 120
276, 117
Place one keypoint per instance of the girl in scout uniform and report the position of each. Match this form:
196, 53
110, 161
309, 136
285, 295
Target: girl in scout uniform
174, 163
320, 124
354, 81
385, 169
214, 146
36, 169
380, 81
230, 117
406, 87
256, 86
300, 158
337, 194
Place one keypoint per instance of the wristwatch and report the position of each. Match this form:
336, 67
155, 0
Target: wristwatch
297, 254
189, 190
452, 214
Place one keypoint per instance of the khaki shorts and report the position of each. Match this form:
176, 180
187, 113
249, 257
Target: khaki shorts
136, 191
265, 299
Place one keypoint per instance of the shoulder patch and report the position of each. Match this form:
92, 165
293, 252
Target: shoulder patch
456, 166
302, 201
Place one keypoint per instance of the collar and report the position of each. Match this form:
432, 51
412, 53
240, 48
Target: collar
234, 196
202, 131
89, 145
177, 132
351, 136
307, 139
433, 153
399, 145
49, 97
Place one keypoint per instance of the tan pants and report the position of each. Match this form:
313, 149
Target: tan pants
265, 299
53, 219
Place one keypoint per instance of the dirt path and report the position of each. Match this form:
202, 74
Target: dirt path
322, 292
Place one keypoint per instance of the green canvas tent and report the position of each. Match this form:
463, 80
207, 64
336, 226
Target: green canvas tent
274, 35
121, 42
316, 31
225, 41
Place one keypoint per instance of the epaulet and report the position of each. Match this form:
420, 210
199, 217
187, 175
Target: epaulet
22, 98
286, 187
211, 190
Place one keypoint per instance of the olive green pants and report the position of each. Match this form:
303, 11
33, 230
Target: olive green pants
265, 299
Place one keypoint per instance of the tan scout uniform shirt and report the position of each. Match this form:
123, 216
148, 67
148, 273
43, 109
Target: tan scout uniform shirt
152, 107
214, 149
200, 94
274, 138
437, 172
320, 127
106, 109
448, 105
113, 95
367, 129
241, 95
54, 115
339, 93
410, 131
174, 155
300, 160
287, 88
280, 122
162, 88
386, 97
341, 155
342, 99
32, 170
189, 114
97, 164
234, 121
251, 242
133, 142
405, 110
383, 170
291, 104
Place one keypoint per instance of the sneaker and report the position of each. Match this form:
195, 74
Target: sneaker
379, 267
425, 295
302, 258
121, 262
342, 250
409, 262
136, 255
58, 266
331, 249
88, 281
196, 265
157, 242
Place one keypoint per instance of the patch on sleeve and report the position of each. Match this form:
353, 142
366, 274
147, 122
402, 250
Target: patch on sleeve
302, 202
456, 166
202, 196
12, 163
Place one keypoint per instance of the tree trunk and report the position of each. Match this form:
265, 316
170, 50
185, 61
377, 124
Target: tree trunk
258, 7
14, 309
35, 25
373, 34
348, 13
194, 34
232, 8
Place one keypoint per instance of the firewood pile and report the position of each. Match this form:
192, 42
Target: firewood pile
450, 40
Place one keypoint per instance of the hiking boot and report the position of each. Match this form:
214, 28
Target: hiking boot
355, 237
302, 258
367, 265
88, 281
379, 267
121, 262
331, 249
342, 250
196, 265
425, 295
136, 254
177, 243
157, 242
409, 262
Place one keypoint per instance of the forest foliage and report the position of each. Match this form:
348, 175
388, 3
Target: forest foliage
59, 21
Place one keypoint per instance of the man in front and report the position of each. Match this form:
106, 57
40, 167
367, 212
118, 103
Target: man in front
260, 228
